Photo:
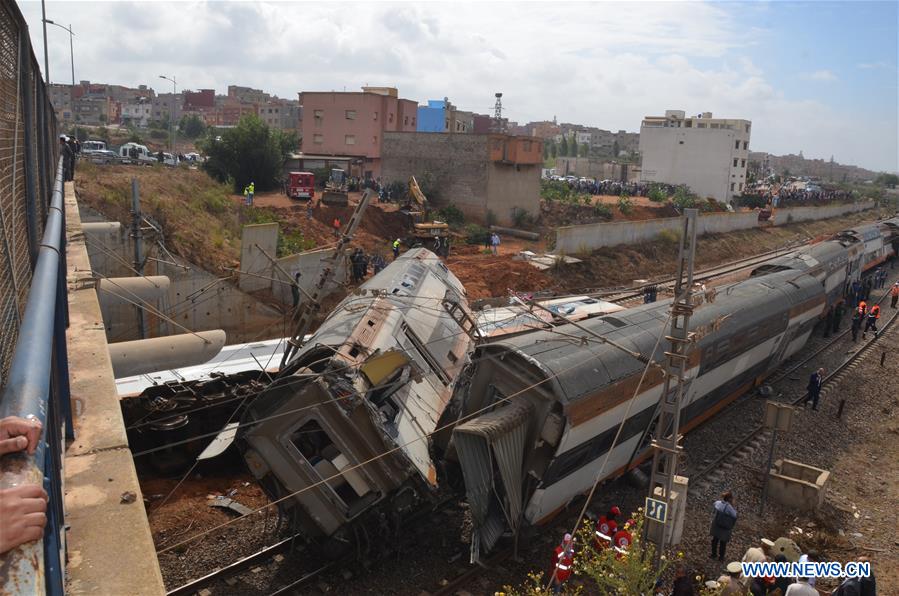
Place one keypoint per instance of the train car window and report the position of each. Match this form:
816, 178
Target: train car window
426, 355
327, 460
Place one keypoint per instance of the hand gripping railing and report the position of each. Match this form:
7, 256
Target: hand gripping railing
38, 386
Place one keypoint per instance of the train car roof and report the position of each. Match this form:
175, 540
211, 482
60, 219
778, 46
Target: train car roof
578, 364
862, 233
804, 259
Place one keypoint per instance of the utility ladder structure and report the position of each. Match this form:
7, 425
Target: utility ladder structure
666, 447
309, 308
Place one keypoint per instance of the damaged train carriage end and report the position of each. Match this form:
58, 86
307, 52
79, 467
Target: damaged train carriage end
343, 436
552, 401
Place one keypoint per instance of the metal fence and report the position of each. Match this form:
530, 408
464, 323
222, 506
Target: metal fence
33, 302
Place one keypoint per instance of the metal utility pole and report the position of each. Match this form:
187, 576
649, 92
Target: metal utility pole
46, 61
660, 503
498, 113
171, 114
71, 44
137, 239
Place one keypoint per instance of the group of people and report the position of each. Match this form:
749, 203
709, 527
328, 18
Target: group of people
616, 188
607, 535
492, 242
69, 148
360, 263
786, 197
862, 315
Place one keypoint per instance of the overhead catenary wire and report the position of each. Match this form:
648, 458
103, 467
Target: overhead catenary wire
377, 457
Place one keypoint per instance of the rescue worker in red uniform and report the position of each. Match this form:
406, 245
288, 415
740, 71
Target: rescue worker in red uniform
622, 539
873, 316
606, 526
562, 563
862, 308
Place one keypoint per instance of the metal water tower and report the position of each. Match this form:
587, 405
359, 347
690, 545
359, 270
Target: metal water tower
498, 113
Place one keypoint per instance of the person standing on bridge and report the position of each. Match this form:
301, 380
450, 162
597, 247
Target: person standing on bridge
723, 523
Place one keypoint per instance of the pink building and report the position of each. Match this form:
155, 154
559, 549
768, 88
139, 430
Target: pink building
353, 125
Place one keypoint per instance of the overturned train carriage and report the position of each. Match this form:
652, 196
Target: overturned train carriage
343, 435
552, 400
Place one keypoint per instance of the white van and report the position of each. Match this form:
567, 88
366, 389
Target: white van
88, 147
135, 153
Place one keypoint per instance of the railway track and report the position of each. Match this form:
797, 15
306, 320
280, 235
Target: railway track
710, 471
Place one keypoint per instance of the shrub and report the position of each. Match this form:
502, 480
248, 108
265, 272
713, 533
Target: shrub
521, 218
751, 201
475, 234
290, 243
214, 201
657, 194
683, 198
603, 211
625, 204
451, 215
670, 237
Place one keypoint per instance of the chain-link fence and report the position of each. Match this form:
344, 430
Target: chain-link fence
28, 155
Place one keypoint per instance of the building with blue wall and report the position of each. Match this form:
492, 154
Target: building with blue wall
432, 117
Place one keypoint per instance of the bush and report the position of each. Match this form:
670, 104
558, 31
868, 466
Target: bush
451, 215
657, 194
670, 237
158, 134
683, 198
475, 234
751, 201
290, 243
214, 201
625, 204
521, 218
603, 211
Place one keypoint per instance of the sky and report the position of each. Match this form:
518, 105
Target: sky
816, 77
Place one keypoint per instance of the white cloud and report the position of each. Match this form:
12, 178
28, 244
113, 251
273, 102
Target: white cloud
606, 64
872, 65
820, 75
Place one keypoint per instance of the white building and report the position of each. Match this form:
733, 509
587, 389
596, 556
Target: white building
138, 113
707, 154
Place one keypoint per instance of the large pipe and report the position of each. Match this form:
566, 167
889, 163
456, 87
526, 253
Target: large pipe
28, 389
102, 227
143, 356
516, 233
131, 289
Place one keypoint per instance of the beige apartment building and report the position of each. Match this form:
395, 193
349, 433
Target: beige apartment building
707, 154
353, 124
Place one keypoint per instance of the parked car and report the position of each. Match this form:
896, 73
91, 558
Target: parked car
102, 156
169, 159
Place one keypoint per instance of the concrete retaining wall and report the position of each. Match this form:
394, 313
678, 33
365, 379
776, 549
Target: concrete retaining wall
584, 238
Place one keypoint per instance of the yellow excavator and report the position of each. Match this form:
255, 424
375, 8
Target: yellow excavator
433, 235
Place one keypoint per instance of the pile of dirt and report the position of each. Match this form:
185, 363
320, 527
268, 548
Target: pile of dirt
486, 276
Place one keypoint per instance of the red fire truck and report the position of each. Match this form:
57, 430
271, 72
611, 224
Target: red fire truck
301, 185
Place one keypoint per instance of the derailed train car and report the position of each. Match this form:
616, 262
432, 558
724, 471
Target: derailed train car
342, 436
539, 412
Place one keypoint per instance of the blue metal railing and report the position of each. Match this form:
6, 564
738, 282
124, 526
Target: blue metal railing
38, 385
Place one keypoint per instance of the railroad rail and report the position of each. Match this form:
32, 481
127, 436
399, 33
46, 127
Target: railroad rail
697, 477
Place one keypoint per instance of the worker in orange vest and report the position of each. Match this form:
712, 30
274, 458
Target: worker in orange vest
622, 539
894, 294
606, 526
862, 308
873, 315
562, 562
336, 225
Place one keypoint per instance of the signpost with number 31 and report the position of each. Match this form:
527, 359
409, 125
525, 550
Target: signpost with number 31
656, 510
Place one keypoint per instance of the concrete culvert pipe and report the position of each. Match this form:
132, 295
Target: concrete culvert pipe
515, 233
143, 356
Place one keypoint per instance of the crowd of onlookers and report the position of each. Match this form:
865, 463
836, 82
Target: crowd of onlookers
615, 187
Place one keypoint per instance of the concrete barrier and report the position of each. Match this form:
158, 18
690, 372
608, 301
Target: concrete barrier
588, 237
797, 485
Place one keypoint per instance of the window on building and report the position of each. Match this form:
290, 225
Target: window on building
349, 139
714, 125
732, 184
735, 162
350, 114
318, 139
742, 163
390, 117
741, 187
680, 142
375, 116
413, 120
736, 146
688, 124
700, 125
745, 145
747, 127
405, 120
374, 140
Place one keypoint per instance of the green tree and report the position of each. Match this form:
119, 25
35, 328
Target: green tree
191, 126
553, 149
563, 147
888, 180
249, 152
615, 149
584, 150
